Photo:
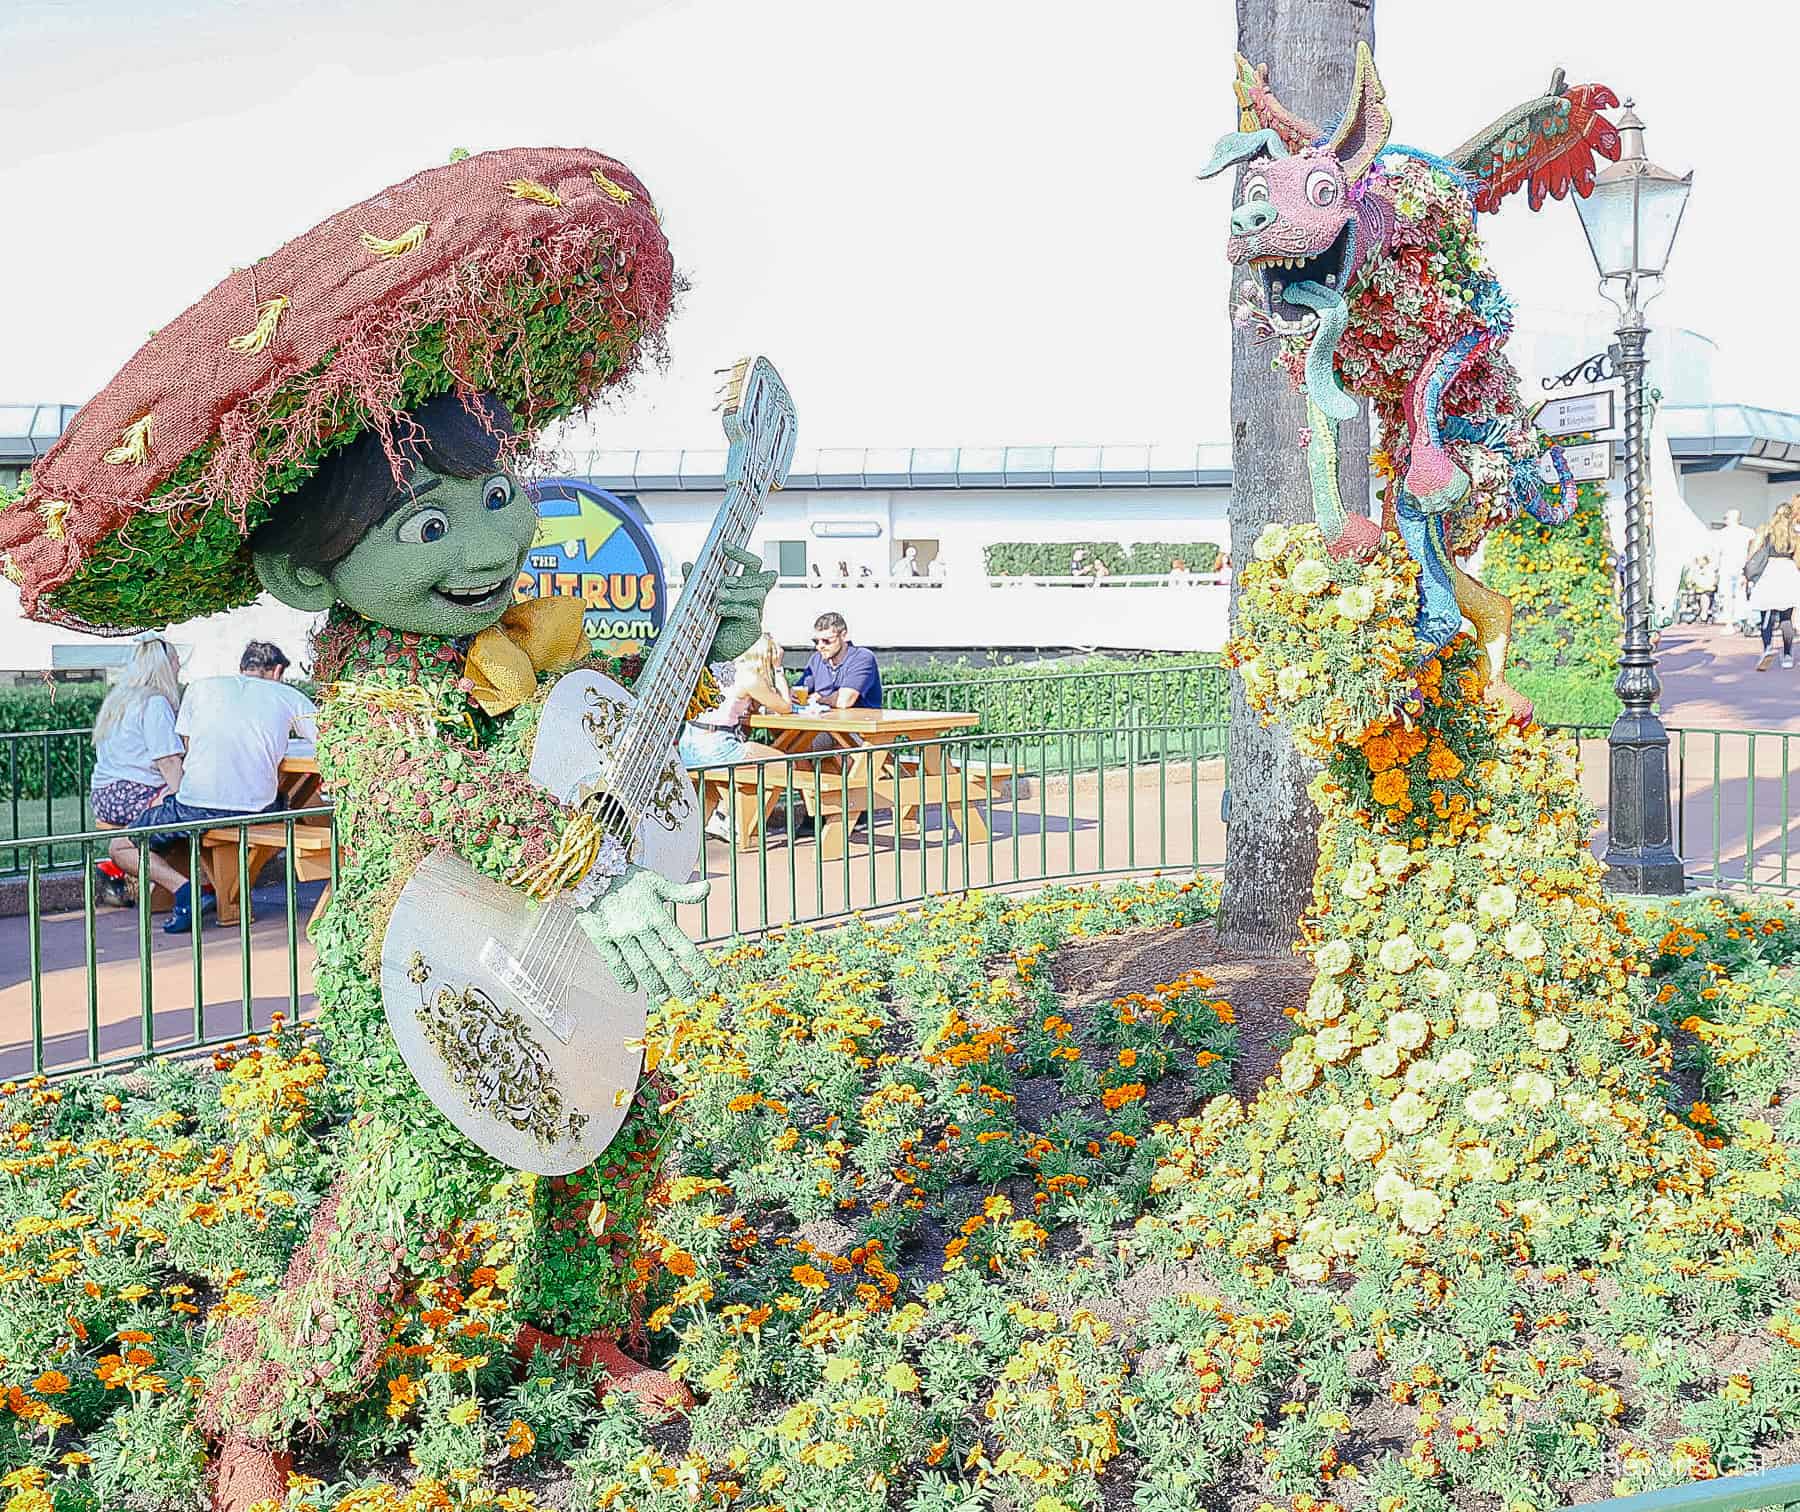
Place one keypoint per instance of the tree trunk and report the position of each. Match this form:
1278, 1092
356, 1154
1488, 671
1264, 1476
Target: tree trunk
1271, 840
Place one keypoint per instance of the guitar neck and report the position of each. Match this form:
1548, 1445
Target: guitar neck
666, 686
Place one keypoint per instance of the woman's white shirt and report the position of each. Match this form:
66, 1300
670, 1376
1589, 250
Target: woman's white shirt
131, 750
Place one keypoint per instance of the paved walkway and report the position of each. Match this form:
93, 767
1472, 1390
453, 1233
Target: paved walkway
1709, 678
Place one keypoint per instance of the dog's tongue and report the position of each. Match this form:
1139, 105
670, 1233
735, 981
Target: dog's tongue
1321, 374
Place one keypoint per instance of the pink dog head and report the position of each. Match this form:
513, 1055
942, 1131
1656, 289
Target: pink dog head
1302, 214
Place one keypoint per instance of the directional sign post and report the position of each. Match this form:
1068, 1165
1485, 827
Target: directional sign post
1574, 414
1590, 462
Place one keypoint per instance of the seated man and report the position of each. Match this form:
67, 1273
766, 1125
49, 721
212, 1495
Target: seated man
236, 733
838, 674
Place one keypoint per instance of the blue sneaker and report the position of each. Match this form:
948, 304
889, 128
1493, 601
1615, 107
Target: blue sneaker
181, 918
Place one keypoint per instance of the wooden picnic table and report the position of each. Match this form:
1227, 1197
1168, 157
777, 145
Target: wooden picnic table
298, 786
859, 729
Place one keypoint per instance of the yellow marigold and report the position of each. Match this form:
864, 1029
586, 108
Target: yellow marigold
901, 1377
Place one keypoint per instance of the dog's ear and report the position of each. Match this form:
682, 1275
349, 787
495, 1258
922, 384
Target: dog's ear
1363, 132
1240, 146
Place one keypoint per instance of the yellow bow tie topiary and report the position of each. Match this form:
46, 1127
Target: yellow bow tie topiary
539, 635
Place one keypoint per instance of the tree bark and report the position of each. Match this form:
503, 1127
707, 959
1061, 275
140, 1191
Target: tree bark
1271, 837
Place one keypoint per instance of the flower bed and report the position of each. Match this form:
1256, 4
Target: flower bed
934, 1236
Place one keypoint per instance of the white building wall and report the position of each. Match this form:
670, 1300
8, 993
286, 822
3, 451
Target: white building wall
962, 520
1744, 489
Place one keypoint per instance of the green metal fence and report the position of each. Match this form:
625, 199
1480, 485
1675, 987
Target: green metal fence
821, 837
106, 987
1726, 1493
806, 839
1734, 796
1194, 696
43, 788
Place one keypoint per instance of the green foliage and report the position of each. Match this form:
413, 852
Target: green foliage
1055, 558
1566, 623
905, 1182
1159, 556
1097, 693
47, 706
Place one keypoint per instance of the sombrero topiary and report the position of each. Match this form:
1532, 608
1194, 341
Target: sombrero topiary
540, 275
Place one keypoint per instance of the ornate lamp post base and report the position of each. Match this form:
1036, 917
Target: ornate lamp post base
1640, 853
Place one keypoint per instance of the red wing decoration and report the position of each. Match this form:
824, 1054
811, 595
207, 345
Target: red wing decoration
1549, 144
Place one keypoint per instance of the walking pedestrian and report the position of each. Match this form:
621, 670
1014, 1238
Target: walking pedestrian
1777, 590
1733, 550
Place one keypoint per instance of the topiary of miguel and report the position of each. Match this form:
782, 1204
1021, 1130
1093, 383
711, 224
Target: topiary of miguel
352, 449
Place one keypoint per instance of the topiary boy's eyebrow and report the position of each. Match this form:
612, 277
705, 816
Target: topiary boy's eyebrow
421, 489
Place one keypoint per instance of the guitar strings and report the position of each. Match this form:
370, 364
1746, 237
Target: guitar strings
738, 515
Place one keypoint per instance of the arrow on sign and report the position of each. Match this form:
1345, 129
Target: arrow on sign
592, 525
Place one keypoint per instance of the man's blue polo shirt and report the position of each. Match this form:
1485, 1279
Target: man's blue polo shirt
857, 670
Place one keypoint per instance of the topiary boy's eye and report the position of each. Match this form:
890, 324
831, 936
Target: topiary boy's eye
426, 526
499, 494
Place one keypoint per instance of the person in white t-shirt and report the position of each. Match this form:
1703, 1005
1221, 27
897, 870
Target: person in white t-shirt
137, 753
236, 730
1733, 552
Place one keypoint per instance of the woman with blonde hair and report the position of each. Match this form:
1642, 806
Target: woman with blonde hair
137, 754
721, 737
1776, 584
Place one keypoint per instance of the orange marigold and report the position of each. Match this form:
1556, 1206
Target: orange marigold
810, 1276
1390, 788
1443, 762
1381, 753
51, 1383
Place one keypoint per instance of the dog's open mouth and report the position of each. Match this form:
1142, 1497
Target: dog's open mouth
1280, 274
481, 596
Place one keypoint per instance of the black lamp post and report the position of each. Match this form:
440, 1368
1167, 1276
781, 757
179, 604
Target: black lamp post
1631, 218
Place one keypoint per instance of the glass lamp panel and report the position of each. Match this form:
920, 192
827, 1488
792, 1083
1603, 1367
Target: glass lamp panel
1660, 203
1606, 216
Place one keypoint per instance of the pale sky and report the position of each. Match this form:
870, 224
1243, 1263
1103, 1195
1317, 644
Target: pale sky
949, 222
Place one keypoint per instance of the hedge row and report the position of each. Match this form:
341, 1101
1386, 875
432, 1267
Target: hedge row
47, 706
1055, 558
1096, 693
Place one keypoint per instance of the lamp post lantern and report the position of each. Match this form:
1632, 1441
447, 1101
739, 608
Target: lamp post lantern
1631, 218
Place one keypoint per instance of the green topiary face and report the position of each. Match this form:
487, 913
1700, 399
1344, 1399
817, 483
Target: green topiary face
444, 563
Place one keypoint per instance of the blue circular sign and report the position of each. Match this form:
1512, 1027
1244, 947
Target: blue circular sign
596, 546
